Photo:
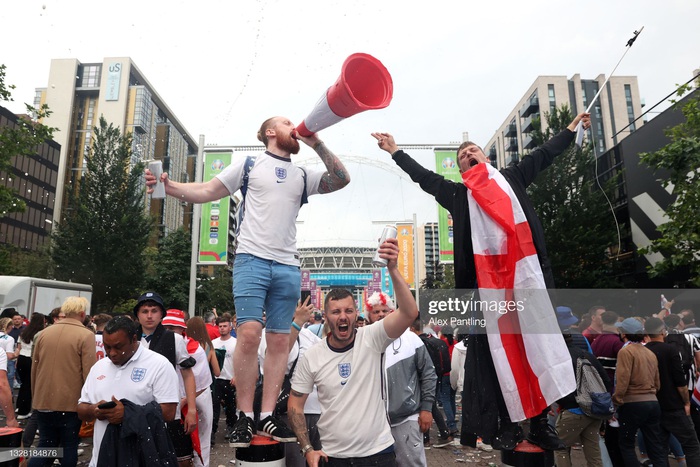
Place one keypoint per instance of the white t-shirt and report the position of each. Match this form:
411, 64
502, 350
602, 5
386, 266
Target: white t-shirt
200, 370
3, 360
272, 203
229, 345
352, 393
307, 339
146, 377
7, 343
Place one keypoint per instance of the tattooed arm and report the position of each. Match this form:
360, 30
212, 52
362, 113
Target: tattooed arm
336, 176
295, 414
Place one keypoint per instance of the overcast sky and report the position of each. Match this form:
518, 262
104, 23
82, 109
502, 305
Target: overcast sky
457, 66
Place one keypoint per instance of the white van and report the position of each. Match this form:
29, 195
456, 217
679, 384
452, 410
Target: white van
30, 294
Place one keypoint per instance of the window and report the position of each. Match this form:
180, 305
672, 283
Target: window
552, 99
89, 76
630, 107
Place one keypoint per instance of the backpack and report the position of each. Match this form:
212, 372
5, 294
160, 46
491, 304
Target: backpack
249, 163
439, 354
682, 346
591, 395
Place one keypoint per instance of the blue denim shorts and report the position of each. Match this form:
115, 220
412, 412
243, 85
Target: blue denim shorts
265, 284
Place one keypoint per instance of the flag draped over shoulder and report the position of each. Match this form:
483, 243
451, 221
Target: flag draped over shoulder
532, 361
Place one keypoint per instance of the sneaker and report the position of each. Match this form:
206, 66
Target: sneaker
426, 445
81, 452
507, 439
24, 417
545, 436
276, 429
442, 442
242, 433
483, 446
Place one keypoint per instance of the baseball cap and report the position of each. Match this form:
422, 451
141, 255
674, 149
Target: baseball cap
174, 317
565, 317
630, 326
149, 297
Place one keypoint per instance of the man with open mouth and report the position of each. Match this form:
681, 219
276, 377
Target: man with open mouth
488, 414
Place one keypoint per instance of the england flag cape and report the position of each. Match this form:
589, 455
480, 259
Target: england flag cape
532, 361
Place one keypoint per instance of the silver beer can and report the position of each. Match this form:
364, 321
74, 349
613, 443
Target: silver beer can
388, 232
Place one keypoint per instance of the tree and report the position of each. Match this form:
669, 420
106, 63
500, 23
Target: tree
18, 140
578, 226
171, 269
216, 291
104, 234
680, 236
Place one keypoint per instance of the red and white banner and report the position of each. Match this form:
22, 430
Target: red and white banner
529, 353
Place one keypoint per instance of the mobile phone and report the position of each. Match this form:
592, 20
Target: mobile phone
107, 405
304, 295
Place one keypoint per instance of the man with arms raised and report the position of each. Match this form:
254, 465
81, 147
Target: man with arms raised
266, 268
488, 208
347, 368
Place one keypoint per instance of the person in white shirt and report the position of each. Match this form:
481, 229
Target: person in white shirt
224, 384
130, 371
6, 393
266, 268
347, 368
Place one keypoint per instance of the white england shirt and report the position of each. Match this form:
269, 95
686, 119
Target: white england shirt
352, 393
272, 203
146, 377
229, 345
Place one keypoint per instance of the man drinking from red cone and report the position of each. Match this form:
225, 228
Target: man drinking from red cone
494, 221
266, 267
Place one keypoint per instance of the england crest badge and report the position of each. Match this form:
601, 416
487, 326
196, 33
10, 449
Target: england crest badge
344, 370
137, 374
281, 173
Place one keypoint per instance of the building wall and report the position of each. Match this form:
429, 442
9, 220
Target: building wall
512, 140
79, 93
34, 179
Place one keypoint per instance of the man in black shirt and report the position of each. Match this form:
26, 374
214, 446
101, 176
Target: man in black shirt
673, 395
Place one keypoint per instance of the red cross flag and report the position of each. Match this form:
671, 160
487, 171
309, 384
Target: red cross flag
531, 359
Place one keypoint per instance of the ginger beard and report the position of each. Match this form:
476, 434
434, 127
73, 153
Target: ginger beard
288, 143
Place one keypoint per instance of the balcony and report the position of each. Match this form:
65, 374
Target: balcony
526, 125
531, 106
511, 130
528, 142
512, 145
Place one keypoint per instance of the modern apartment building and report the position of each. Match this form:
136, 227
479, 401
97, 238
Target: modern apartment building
612, 115
79, 93
428, 245
34, 179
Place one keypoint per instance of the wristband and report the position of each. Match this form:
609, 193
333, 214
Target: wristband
296, 326
306, 449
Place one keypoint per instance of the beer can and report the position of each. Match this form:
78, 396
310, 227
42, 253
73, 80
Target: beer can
388, 232
156, 168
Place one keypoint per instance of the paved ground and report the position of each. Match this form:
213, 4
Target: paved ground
223, 455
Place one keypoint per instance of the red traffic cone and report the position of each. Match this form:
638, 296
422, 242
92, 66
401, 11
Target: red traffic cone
364, 84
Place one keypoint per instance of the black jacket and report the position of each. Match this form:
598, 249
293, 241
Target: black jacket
140, 440
483, 403
453, 197
163, 342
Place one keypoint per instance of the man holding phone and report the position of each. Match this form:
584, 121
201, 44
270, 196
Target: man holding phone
131, 372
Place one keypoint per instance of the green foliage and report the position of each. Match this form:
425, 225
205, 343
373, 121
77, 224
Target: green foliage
19, 141
102, 239
216, 291
578, 225
680, 236
18, 262
445, 280
171, 269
